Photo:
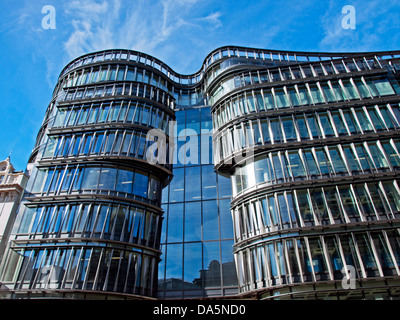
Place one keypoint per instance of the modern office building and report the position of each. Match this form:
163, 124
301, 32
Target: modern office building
278, 180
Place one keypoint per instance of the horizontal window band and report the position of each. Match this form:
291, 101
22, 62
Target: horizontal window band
333, 106
316, 231
229, 163
66, 243
315, 183
54, 199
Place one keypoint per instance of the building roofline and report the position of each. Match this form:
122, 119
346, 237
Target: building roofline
318, 54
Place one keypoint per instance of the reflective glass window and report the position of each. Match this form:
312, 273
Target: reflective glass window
224, 187
256, 132
304, 135
337, 160
269, 103
192, 221
192, 183
294, 97
192, 264
383, 253
364, 158
323, 162
349, 204
304, 95
140, 184
314, 128
124, 181
383, 86
296, 165
351, 122
363, 120
209, 182
281, 99
276, 131
351, 91
362, 89
90, 178
339, 124
377, 156
211, 264
174, 259
263, 169
210, 220
226, 227
367, 255
289, 129
338, 91
328, 93
265, 131
376, 119
393, 157
316, 94
175, 223
279, 175
326, 125
311, 164
352, 162
319, 205
333, 203
228, 265
318, 259
394, 241
335, 256
365, 201
392, 195
177, 185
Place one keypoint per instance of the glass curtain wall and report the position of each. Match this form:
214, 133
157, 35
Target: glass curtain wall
197, 236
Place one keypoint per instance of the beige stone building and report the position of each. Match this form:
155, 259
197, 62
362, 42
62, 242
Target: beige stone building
12, 185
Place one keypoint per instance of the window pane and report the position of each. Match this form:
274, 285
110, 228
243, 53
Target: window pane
337, 161
209, 182
193, 221
90, 178
140, 184
326, 125
211, 264
383, 86
177, 185
318, 259
192, 183
124, 181
289, 129
174, 261
175, 223
296, 165
210, 220
192, 265
339, 124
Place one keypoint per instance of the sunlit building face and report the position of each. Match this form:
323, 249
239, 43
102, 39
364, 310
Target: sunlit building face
275, 176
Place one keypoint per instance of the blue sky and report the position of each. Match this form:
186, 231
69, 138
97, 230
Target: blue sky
179, 32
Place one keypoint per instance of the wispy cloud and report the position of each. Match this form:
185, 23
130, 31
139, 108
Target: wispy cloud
139, 25
374, 19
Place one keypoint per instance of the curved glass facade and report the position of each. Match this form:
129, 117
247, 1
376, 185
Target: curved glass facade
91, 219
280, 179
313, 153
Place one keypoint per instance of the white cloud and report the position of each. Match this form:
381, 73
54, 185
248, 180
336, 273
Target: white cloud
368, 33
140, 25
